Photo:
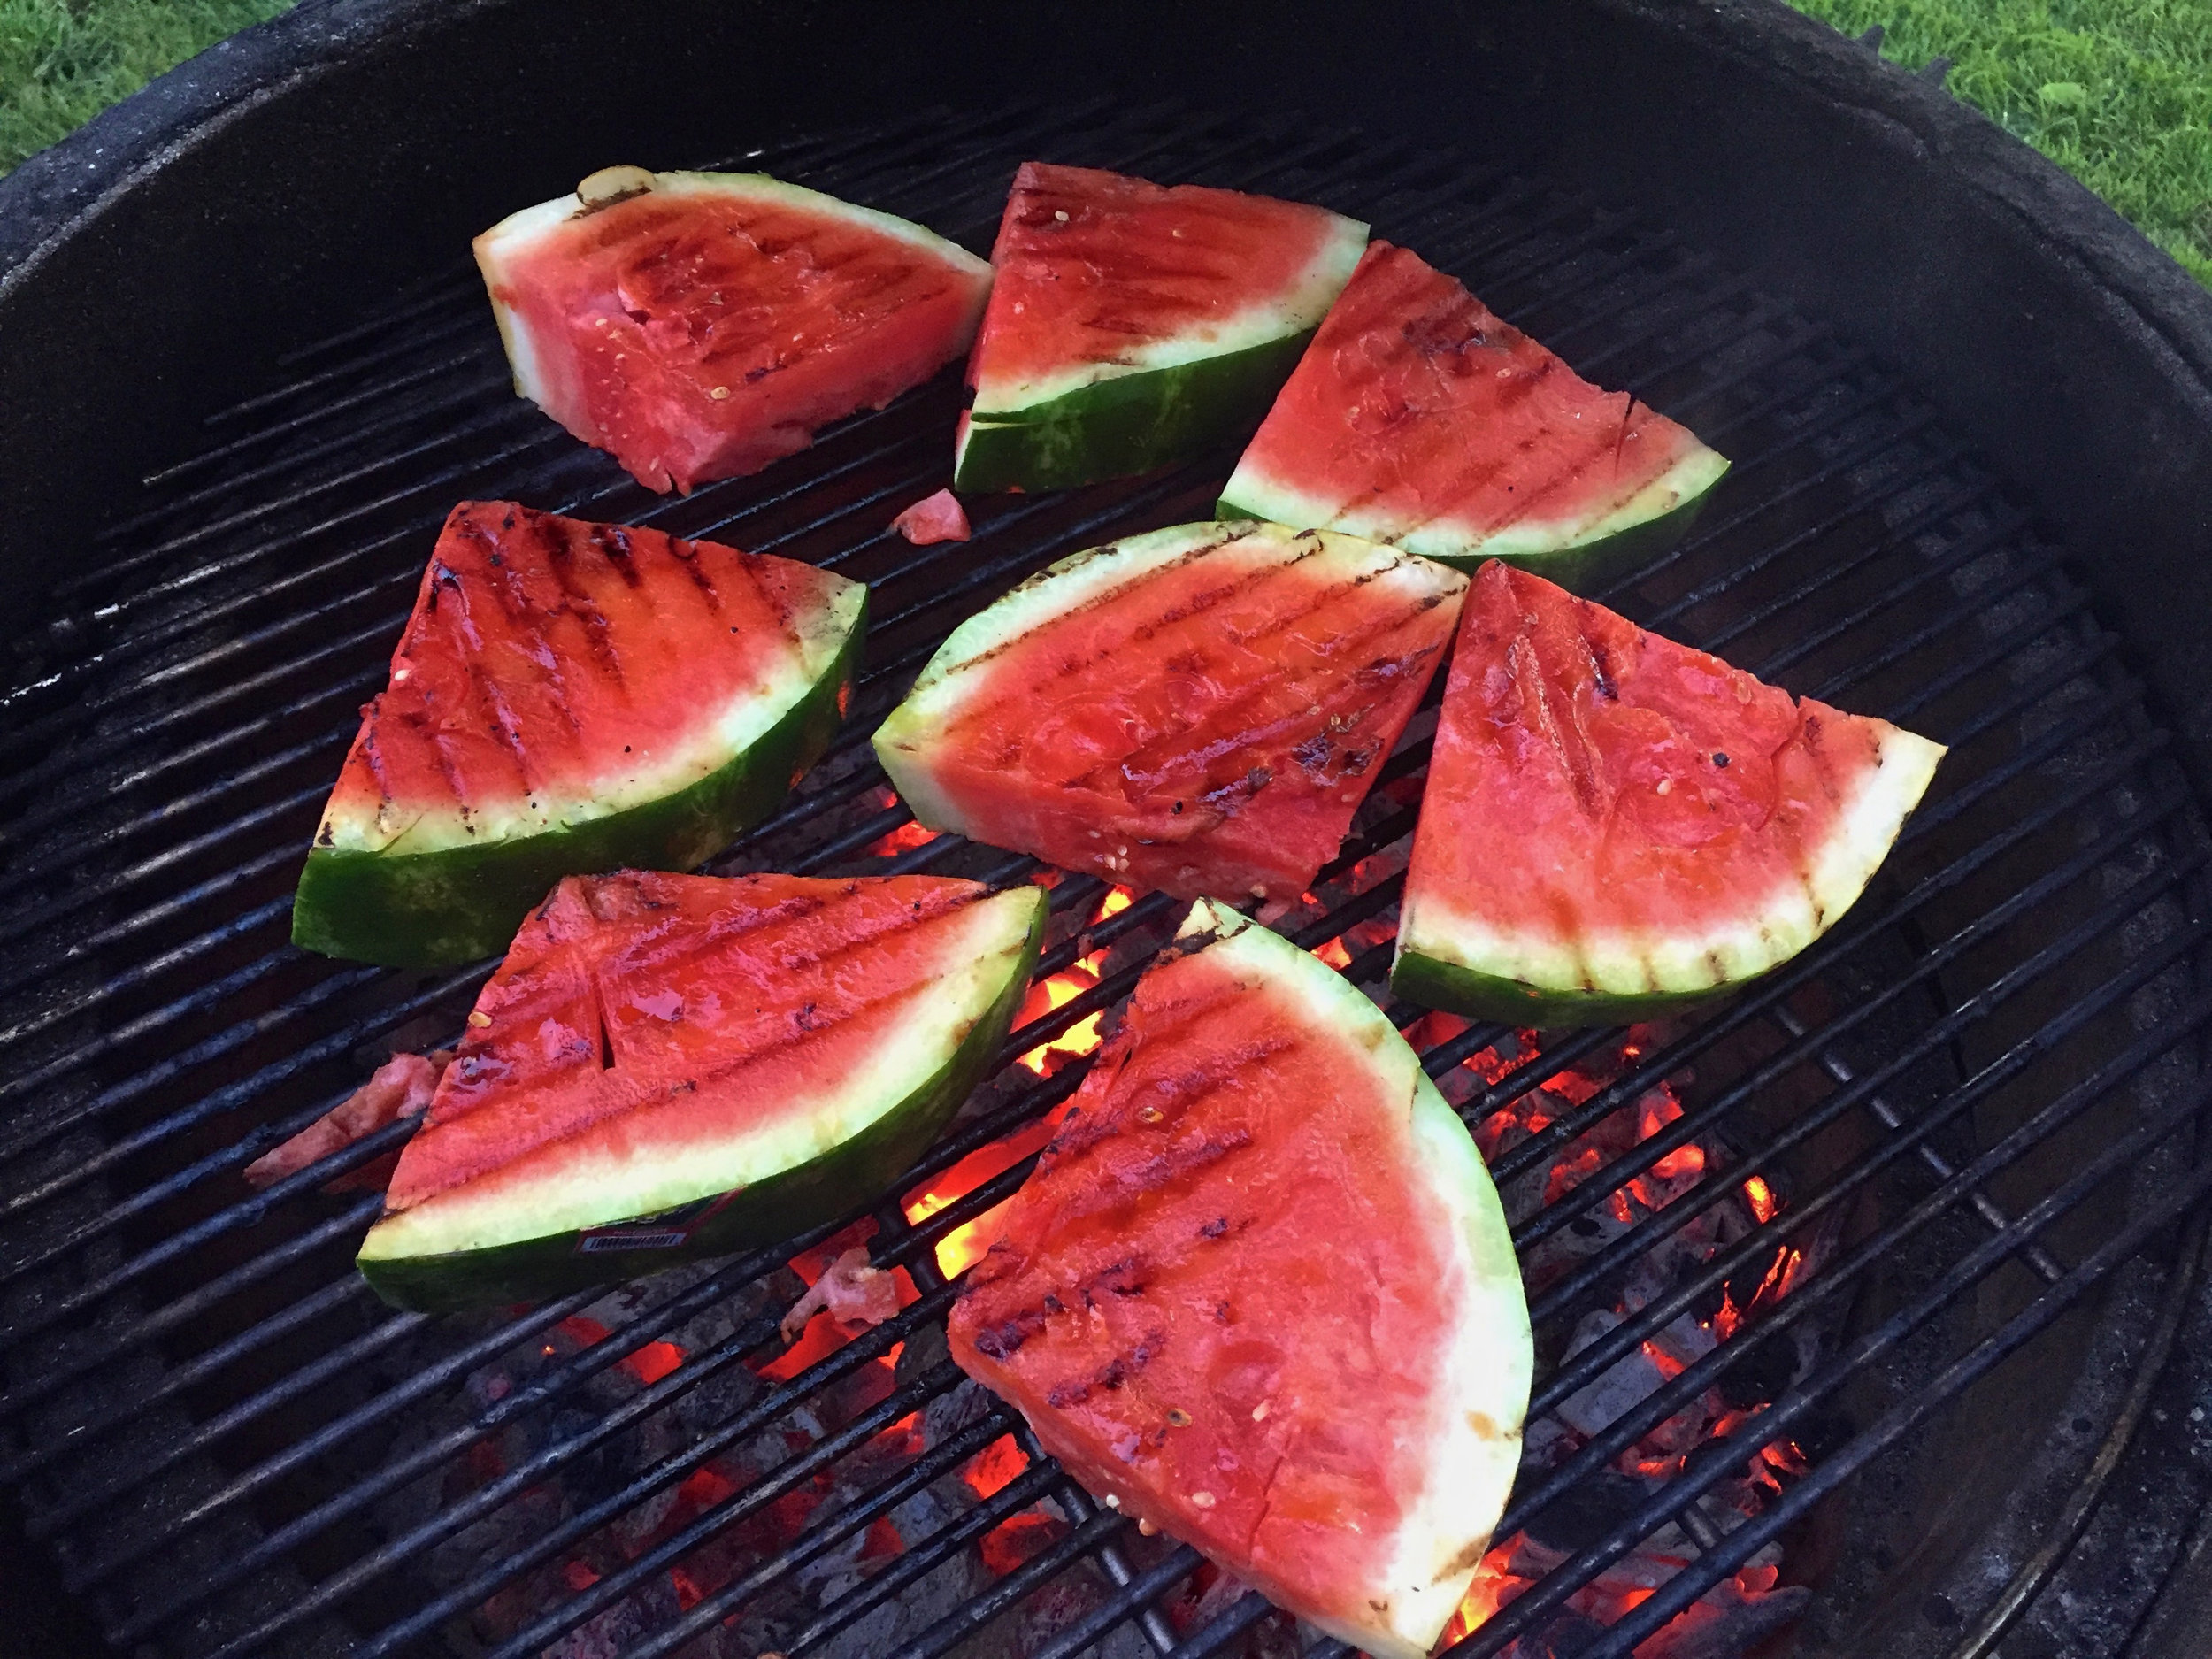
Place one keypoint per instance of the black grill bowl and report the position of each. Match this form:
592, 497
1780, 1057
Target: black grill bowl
244, 369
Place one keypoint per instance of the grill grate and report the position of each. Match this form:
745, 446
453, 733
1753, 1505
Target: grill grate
1983, 1083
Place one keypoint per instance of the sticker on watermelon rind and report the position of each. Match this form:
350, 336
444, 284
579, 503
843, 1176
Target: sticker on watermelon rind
666, 1230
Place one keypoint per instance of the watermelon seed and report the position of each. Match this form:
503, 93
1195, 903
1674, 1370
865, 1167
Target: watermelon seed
1259, 1412
1202, 1500
1719, 759
1179, 1417
480, 1019
1666, 784
719, 393
1148, 1114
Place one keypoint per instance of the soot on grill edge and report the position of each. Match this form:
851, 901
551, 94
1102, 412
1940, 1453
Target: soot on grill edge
229, 1445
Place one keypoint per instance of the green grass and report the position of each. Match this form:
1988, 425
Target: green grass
2117, 92
63, 61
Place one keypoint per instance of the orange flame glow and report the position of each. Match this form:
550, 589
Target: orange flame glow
1116, 901
909, 835
1493, 1587
1333, 952
990, 1470
964, 1245
1057, 992
1761, 1197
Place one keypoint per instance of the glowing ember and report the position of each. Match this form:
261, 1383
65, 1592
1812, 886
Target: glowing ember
1056, 992
908, 836
1012, 1543
1493, 1587
1739, 1614
1761, 1197
1116, 901
1333, 952
964, 1245
654, 1361
990, 1469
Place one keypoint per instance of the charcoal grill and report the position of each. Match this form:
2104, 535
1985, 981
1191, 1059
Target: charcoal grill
247, 374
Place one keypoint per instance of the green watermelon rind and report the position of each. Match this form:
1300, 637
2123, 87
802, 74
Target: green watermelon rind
1603, 552
1182, 395
459, 905
1131, 424
1450, 1525
1442, 964
863, 1167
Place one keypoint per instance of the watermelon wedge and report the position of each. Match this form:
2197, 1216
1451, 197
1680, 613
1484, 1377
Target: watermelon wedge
672, 1066
1132, 326
698, 326
1199, 710
1259, 1293
568, 698
1615, 826
1420, 418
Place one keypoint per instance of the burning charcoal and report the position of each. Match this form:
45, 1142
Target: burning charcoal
1755, 1380
1563, 1637
1616, 1391
1587, 1511
1726, 1623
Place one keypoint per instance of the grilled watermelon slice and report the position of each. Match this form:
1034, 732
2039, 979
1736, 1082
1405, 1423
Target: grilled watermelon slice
672, 1066
1199, 710
1132, 326
568, 698
1259, 1292
1615, 826
698, 326
1420, 418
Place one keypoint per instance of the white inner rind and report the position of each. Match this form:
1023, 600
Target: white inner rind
1291, 309
1761, 933
595, 1188
1283, 502
522, 233
910, 736
658, 765
1483, 1362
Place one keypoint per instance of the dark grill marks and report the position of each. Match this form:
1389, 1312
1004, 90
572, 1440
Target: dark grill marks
1282, 705
554, 537
564, 983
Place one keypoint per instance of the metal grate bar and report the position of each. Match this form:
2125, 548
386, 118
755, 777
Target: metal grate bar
1900, 1419
1778, 1420
1592, 1363
334, 1363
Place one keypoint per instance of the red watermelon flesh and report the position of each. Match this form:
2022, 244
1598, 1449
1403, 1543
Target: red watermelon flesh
1259, 1293
650, 1038
1199, 710
1420, 417
707, 325
1102, 274
1610, 814
552, 666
